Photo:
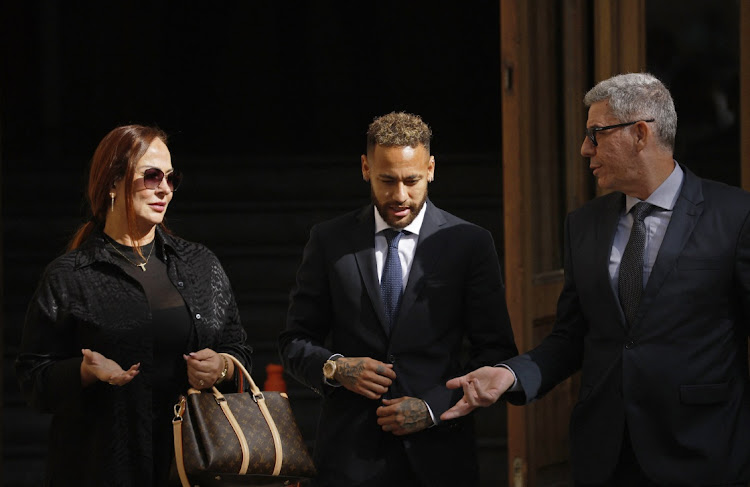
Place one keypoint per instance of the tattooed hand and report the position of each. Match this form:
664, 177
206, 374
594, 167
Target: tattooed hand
365, 376
404, 415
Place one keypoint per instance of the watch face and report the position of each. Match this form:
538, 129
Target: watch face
329, 369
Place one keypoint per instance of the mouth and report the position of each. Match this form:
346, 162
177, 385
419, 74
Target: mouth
158, 206
400, 211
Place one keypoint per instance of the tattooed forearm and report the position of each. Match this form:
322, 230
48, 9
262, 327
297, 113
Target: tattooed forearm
416, 416
348, 373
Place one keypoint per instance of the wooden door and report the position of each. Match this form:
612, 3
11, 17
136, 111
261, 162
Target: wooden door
745, 102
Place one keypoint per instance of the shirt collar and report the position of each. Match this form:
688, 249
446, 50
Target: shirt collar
412, 227
93, 248
665, 195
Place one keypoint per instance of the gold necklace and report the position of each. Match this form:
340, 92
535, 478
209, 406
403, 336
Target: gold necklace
142, 265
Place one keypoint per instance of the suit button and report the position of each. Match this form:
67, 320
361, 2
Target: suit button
392, 358
630, 344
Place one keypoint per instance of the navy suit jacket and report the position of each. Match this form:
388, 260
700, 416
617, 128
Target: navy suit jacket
678, 377
454, 292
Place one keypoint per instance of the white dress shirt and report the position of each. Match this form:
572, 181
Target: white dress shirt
407, 245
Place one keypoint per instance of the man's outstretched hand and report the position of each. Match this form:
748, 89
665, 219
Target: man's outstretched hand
482, 388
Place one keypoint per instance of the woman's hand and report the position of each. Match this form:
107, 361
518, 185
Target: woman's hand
96, 366
204, 368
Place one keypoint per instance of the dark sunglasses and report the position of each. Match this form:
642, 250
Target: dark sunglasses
591, 132
153, 176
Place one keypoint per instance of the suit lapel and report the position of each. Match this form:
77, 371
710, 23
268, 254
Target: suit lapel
363, 238
606, 229
423, 262
685, 215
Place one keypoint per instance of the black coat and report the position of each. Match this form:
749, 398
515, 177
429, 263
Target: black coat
454, 292
102, 434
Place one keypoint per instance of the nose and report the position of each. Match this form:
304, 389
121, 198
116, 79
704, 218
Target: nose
164, 186
587, 147
399, 193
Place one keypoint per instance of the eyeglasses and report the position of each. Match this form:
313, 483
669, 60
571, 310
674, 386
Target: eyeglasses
591, 132
152, 178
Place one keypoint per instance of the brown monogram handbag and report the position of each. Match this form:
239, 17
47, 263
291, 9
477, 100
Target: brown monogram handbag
250, 436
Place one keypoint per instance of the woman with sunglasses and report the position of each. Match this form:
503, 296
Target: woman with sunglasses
123, 322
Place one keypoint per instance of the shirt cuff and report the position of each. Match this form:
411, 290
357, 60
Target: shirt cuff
516, 386
432, 415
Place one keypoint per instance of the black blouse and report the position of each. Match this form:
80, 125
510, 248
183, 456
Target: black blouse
93, 298
170, 331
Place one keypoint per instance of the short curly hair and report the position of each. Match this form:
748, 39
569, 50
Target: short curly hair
398, 129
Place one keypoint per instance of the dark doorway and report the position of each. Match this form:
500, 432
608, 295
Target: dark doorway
266, 104
693, 46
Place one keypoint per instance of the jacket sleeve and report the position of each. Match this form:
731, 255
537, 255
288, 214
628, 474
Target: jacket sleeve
48, 365
233, 338
301, 345
486, 323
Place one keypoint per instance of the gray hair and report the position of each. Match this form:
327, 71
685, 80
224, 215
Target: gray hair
638, 96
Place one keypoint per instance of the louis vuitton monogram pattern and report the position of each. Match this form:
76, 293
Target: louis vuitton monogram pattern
210, 444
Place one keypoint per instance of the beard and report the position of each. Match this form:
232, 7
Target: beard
392, 220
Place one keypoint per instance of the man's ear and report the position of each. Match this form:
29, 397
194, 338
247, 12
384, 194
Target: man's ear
643, 135
365, 168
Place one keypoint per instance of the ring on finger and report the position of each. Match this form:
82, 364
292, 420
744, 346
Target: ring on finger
201, 382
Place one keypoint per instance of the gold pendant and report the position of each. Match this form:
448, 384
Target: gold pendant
142, 266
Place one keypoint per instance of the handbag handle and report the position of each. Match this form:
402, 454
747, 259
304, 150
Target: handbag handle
254, 389
261, 401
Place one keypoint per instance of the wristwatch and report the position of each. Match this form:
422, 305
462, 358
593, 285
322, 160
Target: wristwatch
329, 369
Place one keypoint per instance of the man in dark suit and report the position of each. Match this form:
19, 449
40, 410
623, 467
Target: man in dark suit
377, 321
655, 310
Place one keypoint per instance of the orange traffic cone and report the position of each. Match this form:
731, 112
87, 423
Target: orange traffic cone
274, 378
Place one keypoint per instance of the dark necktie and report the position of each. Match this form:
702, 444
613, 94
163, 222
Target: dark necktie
391, 281
630, 280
